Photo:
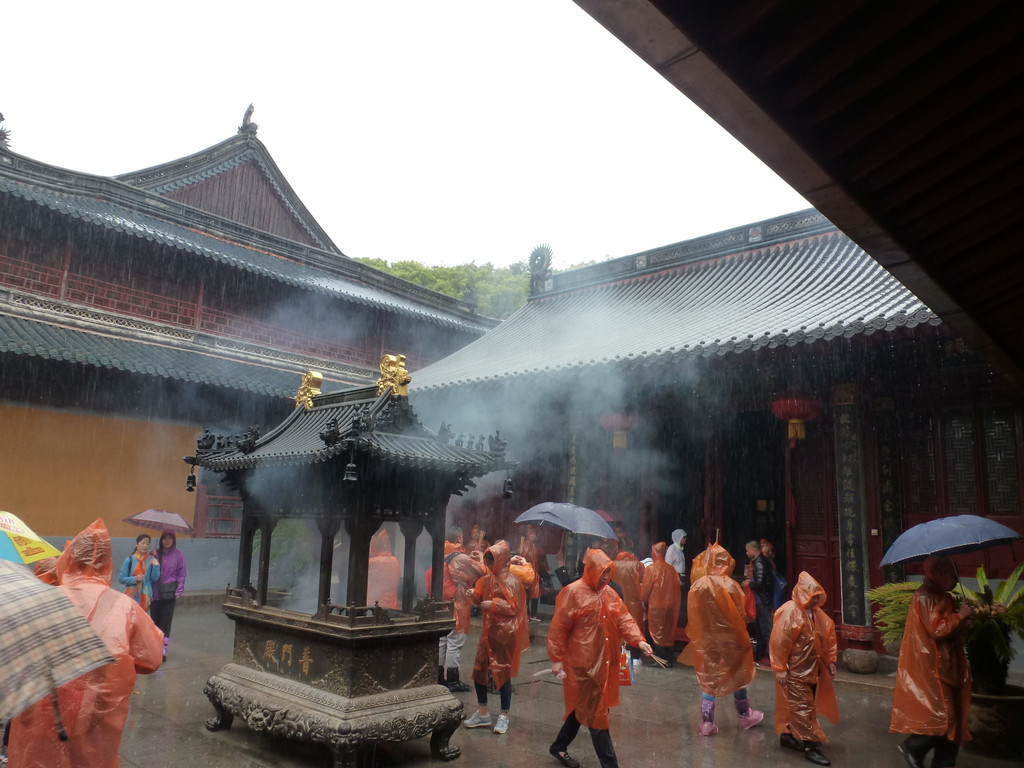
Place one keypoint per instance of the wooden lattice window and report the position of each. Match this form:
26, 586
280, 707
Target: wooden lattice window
919, 438
999, 433
962, 462
223, 516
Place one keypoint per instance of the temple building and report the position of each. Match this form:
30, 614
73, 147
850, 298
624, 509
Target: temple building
769, 381
139, 309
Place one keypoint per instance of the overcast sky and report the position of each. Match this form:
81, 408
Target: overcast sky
443, 132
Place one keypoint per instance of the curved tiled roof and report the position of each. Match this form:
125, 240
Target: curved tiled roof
125, 218
818, 288
297, 439
22, 336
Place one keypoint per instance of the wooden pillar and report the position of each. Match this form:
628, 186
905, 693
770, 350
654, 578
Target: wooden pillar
198, 323
410, 530
245, 549
65, 271
435, 526
889, 503
360, 530
329, 525
267, 526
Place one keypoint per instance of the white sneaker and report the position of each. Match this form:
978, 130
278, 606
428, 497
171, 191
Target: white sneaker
478, 722
502, 725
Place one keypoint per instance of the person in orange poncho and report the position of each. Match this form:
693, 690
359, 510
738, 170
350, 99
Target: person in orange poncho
530, 551
505, 635
384, 572
583, 645
94, 706
723, 656
661, 593
932, 697
629, 575
461, 573
803, 654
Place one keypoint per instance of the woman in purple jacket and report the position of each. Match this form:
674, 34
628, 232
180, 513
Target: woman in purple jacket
170, 586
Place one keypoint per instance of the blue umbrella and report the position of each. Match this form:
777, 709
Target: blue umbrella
558, 514
948, 536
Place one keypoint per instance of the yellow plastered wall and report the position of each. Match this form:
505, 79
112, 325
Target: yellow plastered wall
59, 471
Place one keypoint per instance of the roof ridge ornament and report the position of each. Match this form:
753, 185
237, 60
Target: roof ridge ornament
540, 267
5, 136
393, 376
248, 127
308, 389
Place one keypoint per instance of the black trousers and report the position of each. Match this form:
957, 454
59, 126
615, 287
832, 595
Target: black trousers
162, 613
602, 741
764, 630
946, 751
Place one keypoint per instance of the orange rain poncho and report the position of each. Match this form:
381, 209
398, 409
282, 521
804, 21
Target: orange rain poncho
585, 636
46, 570
723, 656
384, 572
803, 648
662, 593
532, 554
629, 575
94, 706
506, 634
465, 572
462, 571
933, 682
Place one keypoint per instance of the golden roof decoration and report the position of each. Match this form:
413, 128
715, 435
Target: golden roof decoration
310, 388
393, 375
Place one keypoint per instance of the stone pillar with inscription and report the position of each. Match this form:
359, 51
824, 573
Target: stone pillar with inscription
851, 505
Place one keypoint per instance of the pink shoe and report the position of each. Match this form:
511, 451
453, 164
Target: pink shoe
752, 718
708, 729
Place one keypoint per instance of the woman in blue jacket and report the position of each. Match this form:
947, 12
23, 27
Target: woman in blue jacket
140, 572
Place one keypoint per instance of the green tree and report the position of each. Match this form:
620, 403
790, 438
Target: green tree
499, 291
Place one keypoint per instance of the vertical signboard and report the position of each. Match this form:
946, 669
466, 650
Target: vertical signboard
853, 545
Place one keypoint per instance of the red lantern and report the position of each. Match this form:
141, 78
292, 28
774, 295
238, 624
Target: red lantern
619, 424
796, 410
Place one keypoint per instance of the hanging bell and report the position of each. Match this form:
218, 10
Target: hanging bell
507, 489
190, 483
350, 477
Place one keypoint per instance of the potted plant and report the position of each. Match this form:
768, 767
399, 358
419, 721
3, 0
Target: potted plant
997, 709
997, 616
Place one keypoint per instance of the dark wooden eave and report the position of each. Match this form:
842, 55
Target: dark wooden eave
903, 123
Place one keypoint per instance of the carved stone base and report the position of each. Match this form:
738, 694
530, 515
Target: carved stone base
290, 710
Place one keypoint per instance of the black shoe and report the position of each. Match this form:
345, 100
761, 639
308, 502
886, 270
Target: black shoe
816, 757
912, 760
564, 758
791, 741
454, 684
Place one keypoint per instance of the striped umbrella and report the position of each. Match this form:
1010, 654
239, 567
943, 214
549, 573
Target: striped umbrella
45, 642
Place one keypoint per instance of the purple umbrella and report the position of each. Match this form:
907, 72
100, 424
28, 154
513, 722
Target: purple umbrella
161, 520
948, 536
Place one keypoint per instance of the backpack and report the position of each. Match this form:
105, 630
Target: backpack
779, 591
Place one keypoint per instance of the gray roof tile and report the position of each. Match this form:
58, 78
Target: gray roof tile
22, 336
818, 288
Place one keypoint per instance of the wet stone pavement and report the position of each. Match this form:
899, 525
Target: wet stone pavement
656, 723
